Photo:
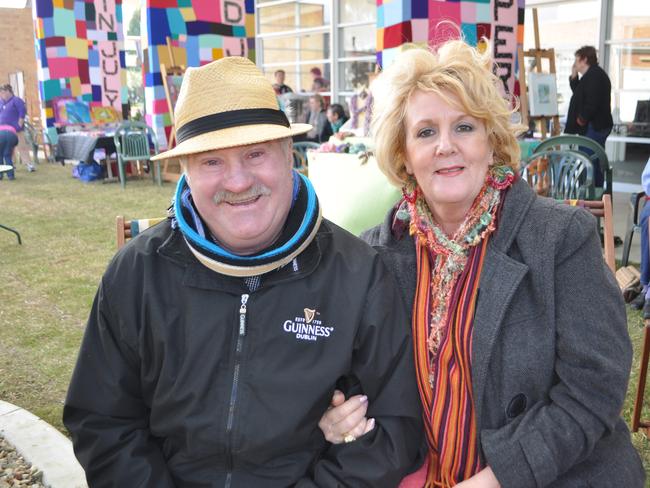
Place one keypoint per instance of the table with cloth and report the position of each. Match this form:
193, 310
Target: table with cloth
81, 146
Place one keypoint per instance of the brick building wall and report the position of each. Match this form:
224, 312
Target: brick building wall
17, 44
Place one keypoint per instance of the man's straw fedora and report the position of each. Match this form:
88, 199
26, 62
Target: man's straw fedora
227, 103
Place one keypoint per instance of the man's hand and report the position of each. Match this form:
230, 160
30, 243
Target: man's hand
346, 418
483, 479
574, 71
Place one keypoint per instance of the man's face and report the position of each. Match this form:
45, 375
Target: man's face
581, 65
5, 95
314, 105
243, 193
279, 77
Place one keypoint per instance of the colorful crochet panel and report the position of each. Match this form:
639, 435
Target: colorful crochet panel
433, 21
80, 54
200, 31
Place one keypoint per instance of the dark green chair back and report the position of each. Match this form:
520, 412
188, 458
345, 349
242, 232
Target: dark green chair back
573, 143
132, 144
300, 154
561, 175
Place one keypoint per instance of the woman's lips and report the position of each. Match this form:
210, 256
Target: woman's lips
450, 171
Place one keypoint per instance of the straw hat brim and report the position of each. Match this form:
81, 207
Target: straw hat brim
231, 137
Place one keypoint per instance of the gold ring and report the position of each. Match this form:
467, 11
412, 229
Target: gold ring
348, 438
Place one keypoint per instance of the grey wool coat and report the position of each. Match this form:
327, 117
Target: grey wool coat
551, 354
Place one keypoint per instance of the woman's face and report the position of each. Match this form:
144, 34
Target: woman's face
447, 151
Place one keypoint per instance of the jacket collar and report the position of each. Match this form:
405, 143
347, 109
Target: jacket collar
196, 275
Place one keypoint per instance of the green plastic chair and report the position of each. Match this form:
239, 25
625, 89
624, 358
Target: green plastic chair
573, 143
562, 175
132, 144
300, 154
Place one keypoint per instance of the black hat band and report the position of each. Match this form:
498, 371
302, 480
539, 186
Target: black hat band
232, 118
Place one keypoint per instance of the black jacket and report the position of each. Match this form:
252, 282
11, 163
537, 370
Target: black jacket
179, 385
590, 101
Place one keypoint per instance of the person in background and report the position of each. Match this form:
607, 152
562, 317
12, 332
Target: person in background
520, 336
590, 111
317, 118
217, 337
318, 83
336, 116
642, 301
12, 120
279, 86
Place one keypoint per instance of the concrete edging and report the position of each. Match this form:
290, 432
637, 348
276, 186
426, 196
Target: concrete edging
43, 446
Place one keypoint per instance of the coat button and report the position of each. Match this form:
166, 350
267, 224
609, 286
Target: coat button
517, 406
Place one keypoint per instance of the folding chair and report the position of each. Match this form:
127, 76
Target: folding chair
643, 372
128, 229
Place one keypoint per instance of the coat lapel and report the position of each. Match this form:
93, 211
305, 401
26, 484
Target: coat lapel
500, 279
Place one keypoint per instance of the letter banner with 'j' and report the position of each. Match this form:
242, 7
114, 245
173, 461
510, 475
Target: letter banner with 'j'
430, 22
80, 55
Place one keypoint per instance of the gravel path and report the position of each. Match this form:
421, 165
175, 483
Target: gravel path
16, 471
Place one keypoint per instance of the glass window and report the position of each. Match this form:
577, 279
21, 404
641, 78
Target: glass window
357, 41
564, 27
357, 11
629, 70
312, 15
277, 18
354, 73
631, 20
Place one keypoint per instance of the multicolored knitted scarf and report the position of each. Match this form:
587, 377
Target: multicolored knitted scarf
299, 230
448, 274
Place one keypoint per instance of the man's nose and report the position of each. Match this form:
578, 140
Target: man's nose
238, 177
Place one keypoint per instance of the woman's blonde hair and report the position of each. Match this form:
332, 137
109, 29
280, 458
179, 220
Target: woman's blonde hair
457, 69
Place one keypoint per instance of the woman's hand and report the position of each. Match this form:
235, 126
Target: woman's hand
345, 420
483, 479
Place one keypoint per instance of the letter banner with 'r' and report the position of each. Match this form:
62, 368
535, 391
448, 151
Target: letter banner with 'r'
430, 23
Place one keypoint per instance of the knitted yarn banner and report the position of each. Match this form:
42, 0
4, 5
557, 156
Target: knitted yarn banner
433, 21
200, 31
80, 53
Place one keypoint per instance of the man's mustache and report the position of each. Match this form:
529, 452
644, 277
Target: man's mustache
250, 194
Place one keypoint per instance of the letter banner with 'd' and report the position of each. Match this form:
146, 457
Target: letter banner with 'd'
432, 22
197, 31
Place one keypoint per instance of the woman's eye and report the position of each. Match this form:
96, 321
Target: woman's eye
426, 132
465, 128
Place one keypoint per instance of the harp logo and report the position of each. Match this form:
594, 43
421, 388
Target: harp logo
309, 327
309, 315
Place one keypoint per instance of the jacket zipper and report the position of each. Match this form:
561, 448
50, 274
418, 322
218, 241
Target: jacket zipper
235, 384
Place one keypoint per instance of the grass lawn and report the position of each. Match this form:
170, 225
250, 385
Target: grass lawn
47, 285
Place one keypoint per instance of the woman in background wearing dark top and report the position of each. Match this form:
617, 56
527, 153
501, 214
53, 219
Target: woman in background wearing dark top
12, 119
336, 116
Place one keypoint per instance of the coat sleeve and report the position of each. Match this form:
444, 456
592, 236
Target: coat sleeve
592, 364
104, 410
383, 364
